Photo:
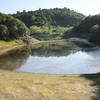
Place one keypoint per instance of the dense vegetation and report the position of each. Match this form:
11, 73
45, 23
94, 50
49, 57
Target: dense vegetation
50, 17
89, 24
49, 24
46, 24
48, 30
90, 27
48, 33
11, 28
37, 23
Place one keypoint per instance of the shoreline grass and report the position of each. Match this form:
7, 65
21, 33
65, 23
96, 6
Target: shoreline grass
28, 86
7, 46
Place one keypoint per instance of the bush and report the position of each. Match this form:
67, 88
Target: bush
48, 30
35, 29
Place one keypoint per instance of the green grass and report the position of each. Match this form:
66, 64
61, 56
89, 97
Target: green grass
10, 43
6, 46
4, 43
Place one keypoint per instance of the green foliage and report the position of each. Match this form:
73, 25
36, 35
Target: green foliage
50, 17
48, 33
62, 30
4, 33
95, 29
95, 36
89, 24
35, 29
48, 30
11, 28
90, 27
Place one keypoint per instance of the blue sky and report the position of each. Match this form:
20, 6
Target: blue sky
86, 7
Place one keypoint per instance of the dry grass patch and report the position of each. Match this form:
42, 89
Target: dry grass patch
24, 86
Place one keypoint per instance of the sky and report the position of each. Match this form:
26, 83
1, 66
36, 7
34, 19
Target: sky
87, 7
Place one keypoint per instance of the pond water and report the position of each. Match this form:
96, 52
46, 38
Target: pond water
60, 57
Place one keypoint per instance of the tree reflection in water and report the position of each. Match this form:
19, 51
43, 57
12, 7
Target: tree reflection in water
14, 59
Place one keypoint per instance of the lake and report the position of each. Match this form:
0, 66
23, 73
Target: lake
61, 57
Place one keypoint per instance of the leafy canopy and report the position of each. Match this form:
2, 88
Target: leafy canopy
11, 28
50, 17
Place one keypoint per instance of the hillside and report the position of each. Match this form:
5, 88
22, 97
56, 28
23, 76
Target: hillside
11, 28
50, 17
90, 28
88, 25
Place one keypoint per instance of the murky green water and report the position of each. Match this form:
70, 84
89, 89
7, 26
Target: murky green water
60, 57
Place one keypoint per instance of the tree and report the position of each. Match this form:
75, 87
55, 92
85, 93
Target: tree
4, 32
53, 17
95, 29
35, 29
11, 28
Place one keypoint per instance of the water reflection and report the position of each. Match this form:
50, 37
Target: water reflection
14, 59
60, 57
60, 48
